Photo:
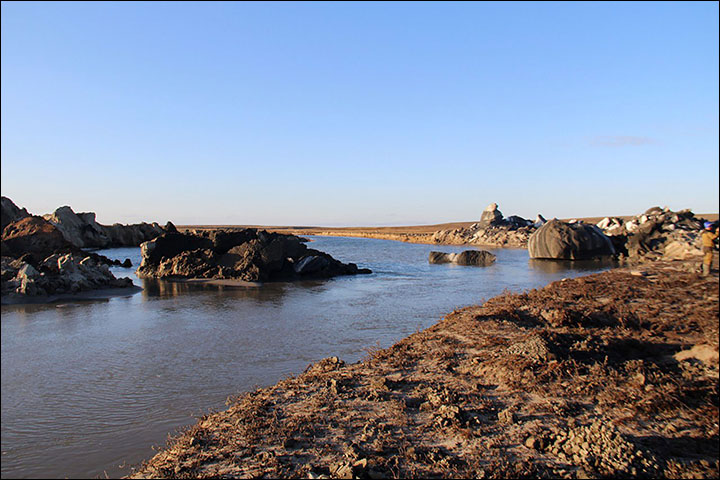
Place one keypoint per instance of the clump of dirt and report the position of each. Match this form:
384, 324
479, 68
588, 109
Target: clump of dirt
609, 375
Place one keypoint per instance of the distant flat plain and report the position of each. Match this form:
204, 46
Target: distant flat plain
397, 230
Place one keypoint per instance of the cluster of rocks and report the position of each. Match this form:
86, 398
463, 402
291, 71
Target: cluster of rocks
57, 274
42, 258
478, 258
83, 231
492, 230
247, 254
657, 234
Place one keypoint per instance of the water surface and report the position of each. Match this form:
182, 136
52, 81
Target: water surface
89, 387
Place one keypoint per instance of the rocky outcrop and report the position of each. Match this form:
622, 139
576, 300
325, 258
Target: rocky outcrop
657, 234
247, 254
131, 235
41, 258
34, 236
9, 212
569, 241
490, 216
477, 258
493, 230
83, 231
56, 274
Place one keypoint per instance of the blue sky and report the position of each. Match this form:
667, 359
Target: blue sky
359, 113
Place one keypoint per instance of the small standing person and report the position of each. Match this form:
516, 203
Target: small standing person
708, 242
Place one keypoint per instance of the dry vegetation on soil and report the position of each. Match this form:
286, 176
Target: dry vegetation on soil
609, 375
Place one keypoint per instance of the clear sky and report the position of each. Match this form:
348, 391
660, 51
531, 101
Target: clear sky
359, 113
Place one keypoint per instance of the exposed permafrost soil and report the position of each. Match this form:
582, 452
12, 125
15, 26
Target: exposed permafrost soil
609, 375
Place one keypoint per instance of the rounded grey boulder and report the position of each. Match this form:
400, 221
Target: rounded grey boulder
477, 258
569, 241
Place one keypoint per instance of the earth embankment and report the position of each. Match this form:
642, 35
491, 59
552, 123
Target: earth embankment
609, 375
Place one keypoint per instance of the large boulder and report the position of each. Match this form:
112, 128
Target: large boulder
569, 241
171, 244
491, 216
32, 235
79, 229
478, 258
9, 212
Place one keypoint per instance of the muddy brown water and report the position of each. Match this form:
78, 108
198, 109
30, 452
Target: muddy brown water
88, 388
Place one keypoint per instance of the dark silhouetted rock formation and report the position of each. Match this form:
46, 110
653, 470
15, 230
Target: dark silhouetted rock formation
247, 254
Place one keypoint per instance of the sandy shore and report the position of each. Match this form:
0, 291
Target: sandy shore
609, 375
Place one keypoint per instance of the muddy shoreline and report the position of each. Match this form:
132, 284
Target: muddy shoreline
86, 296
612, 374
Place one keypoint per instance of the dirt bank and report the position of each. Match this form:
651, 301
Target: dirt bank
609, 375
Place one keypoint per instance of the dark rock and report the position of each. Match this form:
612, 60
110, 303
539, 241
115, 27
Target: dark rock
199, 263
170, 227
517, 222
127, 263
224, 240
565, 241
246, 254
9, 212
32, 235
171, 244
440, 257
311, 264
478, 258
491, 216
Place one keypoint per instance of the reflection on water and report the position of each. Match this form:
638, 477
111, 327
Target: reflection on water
559, 266
88, 386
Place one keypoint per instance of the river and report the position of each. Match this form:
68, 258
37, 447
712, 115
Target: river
88, 388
